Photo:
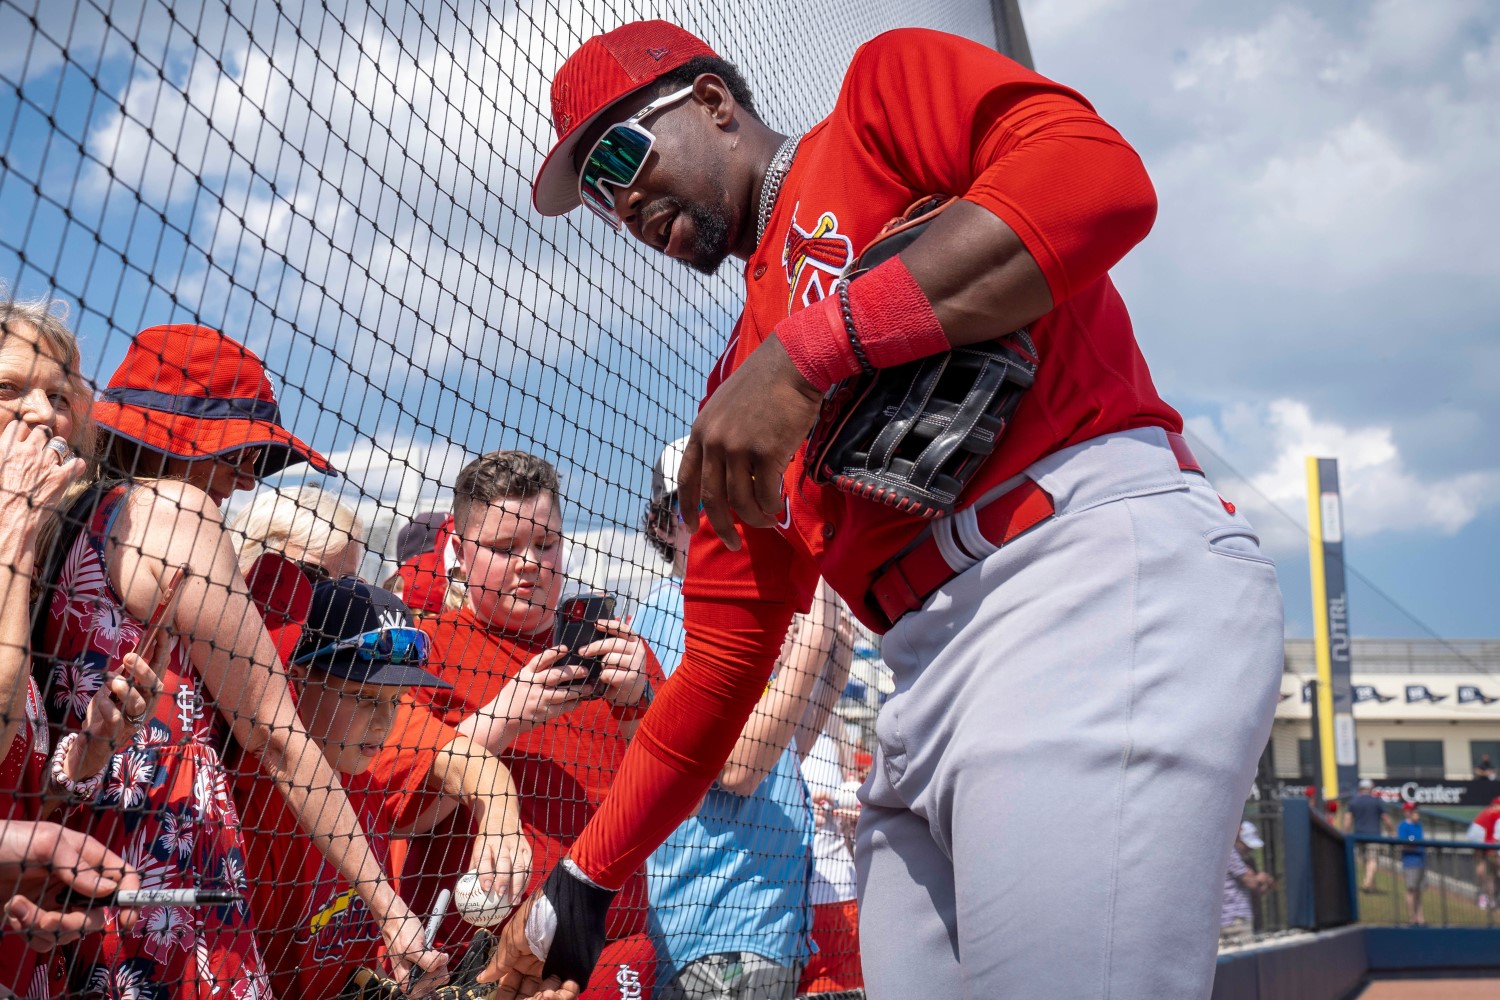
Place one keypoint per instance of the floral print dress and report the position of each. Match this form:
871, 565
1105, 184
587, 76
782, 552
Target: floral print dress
164, 806
23, 778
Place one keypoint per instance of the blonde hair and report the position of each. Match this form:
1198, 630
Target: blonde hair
306, 525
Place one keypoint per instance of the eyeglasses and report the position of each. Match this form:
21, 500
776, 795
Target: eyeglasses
617, 158
401, 644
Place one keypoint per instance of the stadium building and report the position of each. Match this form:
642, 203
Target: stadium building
1426, 711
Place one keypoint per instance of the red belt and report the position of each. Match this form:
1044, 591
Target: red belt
905, 583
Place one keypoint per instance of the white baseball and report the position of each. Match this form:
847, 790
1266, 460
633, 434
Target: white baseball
480, 908
848, 795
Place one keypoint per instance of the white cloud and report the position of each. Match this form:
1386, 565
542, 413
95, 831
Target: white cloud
1381, 493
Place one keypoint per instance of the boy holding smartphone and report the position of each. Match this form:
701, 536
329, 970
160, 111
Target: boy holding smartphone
514, 693
352, 667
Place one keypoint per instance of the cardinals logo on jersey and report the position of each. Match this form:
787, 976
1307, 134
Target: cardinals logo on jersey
808, 252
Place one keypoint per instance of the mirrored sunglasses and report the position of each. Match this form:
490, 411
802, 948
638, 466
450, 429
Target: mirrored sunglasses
401, 644
616, 159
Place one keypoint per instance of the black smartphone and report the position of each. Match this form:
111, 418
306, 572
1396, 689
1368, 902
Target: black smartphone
576, 628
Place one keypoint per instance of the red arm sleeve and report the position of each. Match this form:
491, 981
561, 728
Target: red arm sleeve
686, 736
1032, 151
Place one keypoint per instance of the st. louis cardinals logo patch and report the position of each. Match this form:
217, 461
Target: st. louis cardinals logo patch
808, 252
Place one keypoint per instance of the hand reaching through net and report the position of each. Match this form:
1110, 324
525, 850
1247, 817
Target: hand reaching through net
37, 861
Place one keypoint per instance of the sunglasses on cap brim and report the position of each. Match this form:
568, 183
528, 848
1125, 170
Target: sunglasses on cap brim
616, 159
402, 644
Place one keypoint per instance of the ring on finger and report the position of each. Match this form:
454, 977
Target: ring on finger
60, 447
136, 720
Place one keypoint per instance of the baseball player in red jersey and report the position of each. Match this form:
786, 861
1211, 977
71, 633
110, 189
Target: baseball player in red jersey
1091, 623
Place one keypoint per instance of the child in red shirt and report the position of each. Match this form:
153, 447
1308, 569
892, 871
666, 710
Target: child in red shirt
354, 664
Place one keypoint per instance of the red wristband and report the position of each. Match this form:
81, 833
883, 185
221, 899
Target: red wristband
816, 342
893, 318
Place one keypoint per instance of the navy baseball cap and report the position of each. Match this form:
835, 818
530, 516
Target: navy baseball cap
364, 633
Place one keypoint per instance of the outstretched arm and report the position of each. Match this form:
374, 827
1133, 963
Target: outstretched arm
169, 526
791, 700
464, 772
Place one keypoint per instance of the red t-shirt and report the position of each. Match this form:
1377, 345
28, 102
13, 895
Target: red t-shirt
563, 769
312, 928
920, 113
924, 113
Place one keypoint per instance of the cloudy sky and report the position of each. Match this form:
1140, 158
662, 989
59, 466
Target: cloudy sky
345, 187
1322, 275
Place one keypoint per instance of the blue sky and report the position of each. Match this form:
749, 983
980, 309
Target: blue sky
347, 192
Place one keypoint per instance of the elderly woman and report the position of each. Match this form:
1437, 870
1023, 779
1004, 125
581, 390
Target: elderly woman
45, 436
190, 417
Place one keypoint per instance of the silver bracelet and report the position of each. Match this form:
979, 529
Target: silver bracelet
79, 790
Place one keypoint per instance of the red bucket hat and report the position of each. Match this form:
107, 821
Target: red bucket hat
604, 69
192, 393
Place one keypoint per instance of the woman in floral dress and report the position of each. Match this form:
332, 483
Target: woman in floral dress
190, 417
39, 391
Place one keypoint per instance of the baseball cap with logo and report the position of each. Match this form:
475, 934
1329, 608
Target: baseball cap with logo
194, 393
364, 633
604, 69
664, 472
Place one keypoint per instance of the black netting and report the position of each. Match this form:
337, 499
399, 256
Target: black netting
316, 216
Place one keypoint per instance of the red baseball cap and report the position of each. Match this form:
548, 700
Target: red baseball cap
192, 392
605, 68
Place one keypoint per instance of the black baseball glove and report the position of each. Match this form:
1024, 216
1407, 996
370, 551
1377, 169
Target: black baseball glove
911, 437
462, 984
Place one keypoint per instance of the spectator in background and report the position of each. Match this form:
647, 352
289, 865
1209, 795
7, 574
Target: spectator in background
1413, 862
1486, 830
561, 742
308, 525
428, 577
729, 888
1484, 769
1236, 917
191, 416
1366, 817
1250, 841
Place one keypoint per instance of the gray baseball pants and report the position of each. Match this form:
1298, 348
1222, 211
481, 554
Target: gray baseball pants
1072, 737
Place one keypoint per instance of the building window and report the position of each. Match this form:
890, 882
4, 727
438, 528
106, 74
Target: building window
1414, 759
1307, 761
1480, 749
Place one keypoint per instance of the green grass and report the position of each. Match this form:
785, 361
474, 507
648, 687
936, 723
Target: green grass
1450, 901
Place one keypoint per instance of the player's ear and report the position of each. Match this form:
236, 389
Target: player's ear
713, 94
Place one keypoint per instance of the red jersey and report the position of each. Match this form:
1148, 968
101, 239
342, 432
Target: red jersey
920, 113
312, 928
965, 121
563, 769
1488, 823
